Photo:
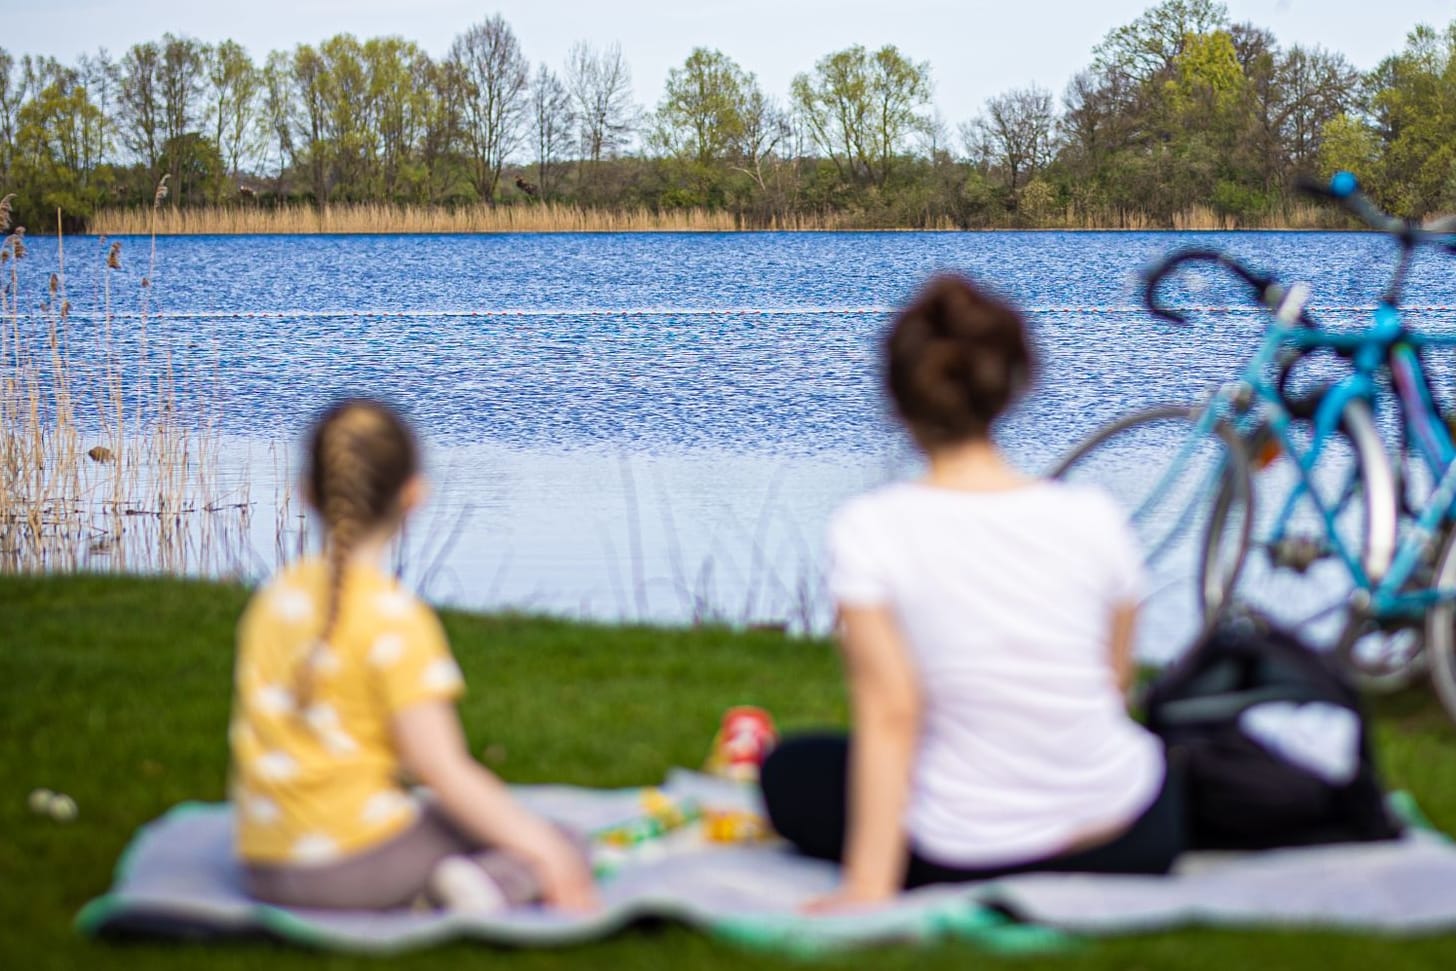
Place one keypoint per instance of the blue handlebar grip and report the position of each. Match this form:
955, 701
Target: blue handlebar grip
1344, 185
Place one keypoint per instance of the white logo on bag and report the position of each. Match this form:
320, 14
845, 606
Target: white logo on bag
1317, 736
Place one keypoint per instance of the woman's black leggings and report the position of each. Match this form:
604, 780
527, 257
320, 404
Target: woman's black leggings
805, 786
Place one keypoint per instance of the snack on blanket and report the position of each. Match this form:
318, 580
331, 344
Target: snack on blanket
662, 815
643, 836
743, 741
734, 826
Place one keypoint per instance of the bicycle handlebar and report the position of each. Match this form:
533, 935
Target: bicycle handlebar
1344, 189
1266, 288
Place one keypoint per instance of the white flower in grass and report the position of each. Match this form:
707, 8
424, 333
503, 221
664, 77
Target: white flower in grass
290, 604
273, 699
384, 807
261, 810
386, 650
314, 848
441, 675
394, 603
276, 766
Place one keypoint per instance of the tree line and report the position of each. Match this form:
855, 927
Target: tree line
1179, 110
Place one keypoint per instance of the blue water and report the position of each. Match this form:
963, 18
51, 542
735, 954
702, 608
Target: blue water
617, 414
687, 363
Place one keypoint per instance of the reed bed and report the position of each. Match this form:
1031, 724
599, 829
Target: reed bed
99, 466
384, 218
378, 218
1198, 218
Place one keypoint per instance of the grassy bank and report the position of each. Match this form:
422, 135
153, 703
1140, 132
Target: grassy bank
115, 691
373, 218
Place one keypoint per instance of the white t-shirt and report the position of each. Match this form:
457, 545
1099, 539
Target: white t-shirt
1005, 601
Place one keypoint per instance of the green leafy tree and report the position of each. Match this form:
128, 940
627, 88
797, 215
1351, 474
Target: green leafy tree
348, 116
1207, 81
13, 93
401, 112
277, 116
700, 117
198, 169
181, 75
235, 89
310, 119
446, 178
862, 109
1347, 144
710, 122
58, 147
1149, 47
1414, 109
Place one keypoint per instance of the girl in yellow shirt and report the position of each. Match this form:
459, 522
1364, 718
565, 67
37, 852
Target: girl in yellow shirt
344, 682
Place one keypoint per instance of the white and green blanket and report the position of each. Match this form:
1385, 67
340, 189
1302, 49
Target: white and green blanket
179, 878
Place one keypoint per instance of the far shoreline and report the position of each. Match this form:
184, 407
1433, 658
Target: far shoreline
885, 230
369, 219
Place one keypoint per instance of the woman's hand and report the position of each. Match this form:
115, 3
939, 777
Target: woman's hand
847, 899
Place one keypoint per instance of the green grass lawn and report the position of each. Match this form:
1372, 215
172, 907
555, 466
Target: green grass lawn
116, 692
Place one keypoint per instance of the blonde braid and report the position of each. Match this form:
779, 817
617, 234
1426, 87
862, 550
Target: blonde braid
345, 503
362, 456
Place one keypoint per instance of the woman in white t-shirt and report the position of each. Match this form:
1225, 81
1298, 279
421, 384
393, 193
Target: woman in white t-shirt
985, 621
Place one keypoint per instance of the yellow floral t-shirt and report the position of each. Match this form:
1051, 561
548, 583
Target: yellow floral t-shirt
318, 781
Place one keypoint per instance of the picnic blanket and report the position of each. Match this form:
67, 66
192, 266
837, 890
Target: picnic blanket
179, 878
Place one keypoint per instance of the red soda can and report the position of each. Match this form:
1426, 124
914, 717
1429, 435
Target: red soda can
744, 739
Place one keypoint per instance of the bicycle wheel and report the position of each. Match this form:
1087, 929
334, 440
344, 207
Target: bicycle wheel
1293, 573
1441, 627
1187, 494
1382, 658
1385, 657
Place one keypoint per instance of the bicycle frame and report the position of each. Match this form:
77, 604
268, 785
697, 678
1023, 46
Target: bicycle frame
1234, 404
1384, 353
1387, 344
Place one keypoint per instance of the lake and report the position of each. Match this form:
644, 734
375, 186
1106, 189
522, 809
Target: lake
657, 426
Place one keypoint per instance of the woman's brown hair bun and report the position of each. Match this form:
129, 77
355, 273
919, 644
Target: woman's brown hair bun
957, 358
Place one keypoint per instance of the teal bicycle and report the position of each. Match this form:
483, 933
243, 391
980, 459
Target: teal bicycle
1345, 542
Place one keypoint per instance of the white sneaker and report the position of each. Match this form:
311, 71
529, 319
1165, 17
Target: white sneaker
457, 883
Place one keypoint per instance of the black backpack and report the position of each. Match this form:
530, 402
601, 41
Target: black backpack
1271, 743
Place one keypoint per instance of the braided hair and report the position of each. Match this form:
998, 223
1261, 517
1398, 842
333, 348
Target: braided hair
361, 455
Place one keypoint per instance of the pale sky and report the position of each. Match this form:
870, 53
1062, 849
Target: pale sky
975, 48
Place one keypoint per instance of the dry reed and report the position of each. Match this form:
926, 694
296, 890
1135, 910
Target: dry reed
376, 218
1298, 216
98, 466
383, 218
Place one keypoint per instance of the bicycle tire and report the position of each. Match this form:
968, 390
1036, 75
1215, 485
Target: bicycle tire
1271, 585
1160, 530
1386, 671
1441, 629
